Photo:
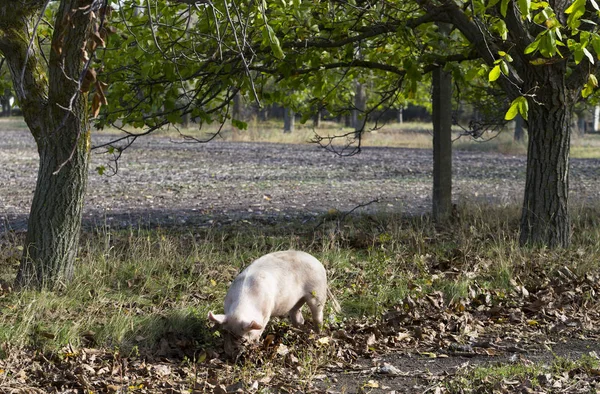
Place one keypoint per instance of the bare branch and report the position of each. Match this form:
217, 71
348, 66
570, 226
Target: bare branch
193, 2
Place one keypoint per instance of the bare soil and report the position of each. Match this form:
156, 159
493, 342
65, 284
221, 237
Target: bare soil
162, 182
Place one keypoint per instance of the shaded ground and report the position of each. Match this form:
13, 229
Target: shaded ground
166, 184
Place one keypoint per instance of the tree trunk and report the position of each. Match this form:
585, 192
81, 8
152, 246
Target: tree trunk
347, 120
442, 143
360, 106
236, 109
545, 217
288, 120
581, 123
519, 132
4, 106
317, 119
56, 211
56, 112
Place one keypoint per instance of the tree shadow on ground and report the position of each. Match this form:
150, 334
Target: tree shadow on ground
177, 336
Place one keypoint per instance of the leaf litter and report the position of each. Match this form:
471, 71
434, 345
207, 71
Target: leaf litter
424, 343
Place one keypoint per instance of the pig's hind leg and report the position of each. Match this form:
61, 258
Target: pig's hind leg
296, 315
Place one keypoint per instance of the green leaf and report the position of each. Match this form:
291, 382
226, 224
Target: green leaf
525, 7
518, 106
512, 112
494, 74
238, 124
578, 54
501, 29
174, 117
274, 43
523, 107
541, 17
575, 12
504, 7
587, 90
533, 46
276, 48
590, 86
596, 44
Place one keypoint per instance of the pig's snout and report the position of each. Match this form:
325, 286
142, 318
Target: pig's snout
232, 344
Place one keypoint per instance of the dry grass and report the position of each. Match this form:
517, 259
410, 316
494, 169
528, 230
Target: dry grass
405, 135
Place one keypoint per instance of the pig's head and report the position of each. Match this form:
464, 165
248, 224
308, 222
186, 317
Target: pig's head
237, 331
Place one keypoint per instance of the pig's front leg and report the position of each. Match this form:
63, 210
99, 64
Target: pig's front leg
296, 315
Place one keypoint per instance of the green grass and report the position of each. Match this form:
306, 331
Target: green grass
131, 287
524, 376
13, 123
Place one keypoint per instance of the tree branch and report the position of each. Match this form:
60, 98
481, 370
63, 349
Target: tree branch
438, 61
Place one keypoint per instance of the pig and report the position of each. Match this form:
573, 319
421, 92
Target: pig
276, 284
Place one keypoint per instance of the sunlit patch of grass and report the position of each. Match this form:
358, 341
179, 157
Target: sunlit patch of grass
585, 152
13, 123
454, 290
502, 142
585, 147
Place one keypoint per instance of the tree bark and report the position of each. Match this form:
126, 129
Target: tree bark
56, 112
57, 207
360, 106
317, 119
288, 120
236, 108
519, 131
545, 216
442, 143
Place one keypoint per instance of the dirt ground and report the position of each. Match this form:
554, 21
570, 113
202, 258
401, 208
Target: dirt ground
166, 183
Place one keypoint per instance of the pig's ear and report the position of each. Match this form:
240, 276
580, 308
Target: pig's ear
216, 318
254, 326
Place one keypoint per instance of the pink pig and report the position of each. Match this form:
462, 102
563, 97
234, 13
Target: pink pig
276, 284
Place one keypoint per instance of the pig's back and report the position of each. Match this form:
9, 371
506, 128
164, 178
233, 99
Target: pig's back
291, 275
289, 262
